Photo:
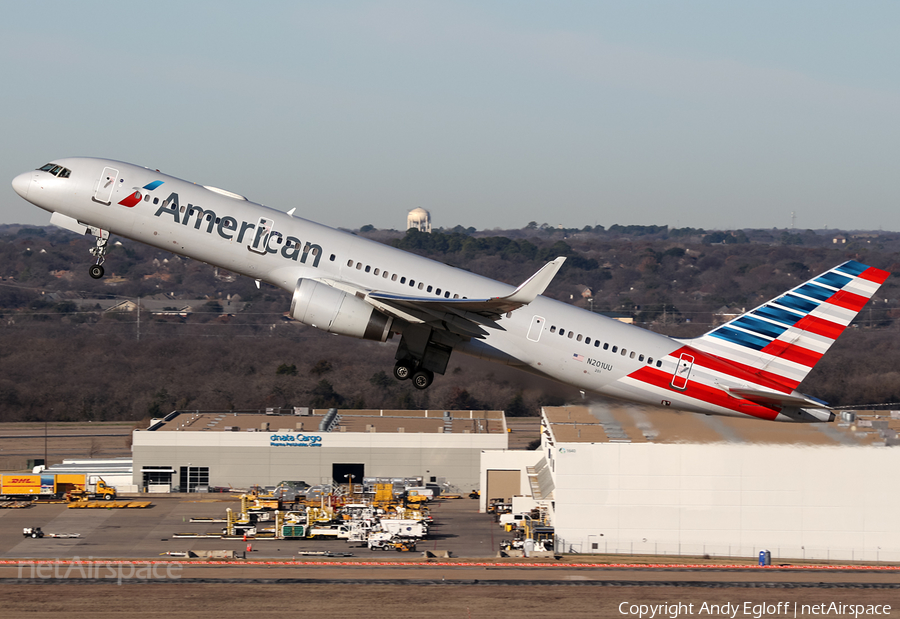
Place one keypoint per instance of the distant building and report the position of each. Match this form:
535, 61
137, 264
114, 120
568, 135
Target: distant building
626, 318
420, 219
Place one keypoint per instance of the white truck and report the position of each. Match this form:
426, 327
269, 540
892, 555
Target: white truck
334, 531
404, 528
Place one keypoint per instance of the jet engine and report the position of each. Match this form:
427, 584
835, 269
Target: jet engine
329, 309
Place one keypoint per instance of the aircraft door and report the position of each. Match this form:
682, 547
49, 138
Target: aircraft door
534, 331
260, 242
683, 371
105, 186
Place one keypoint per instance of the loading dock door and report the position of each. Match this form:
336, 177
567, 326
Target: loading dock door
340, 471
503, 485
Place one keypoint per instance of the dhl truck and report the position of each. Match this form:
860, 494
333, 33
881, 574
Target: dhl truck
26, 486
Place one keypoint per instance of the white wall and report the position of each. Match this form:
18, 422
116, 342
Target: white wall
728, 500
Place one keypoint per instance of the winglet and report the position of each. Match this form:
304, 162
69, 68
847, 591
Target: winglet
536, 284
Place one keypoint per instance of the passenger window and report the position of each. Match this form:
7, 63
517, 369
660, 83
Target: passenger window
641, 358
394, 277
447, 295
579, 337
587, 340
402, 280
147, 198
659, 363
155, 200
456, 296
385, 274
631, 356
615, 348
412, 283
553, 329
349, 263
331, 259
358, 266
596, 343
571, 333
606, 347
562, 331
623, 352
438, 292
368, 268
429, 289
421, 285
376, 272
650, 360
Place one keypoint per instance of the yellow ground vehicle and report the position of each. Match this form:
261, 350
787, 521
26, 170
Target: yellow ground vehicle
86, 493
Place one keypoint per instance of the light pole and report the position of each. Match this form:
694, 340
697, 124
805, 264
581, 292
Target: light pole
46, 420
349, 477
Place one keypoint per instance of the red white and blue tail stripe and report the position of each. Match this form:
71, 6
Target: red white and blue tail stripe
780, 341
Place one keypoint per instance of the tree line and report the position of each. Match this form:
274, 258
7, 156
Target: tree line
62, 361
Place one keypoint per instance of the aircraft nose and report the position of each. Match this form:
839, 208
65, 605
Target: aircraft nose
21, 183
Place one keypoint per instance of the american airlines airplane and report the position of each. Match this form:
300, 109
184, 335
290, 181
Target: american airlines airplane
344, 284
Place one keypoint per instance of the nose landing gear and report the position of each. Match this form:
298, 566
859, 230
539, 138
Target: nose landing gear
99, 251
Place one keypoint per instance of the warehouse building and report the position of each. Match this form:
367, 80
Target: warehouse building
192, 451
622, 479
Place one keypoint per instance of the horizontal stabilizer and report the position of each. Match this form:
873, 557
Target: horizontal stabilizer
773, 398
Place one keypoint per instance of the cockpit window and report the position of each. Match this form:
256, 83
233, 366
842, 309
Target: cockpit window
56, 170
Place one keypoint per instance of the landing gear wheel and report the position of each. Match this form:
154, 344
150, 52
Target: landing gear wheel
96, 271
422, 379
403, 370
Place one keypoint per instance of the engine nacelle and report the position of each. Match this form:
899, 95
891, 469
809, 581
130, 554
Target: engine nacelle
329, 309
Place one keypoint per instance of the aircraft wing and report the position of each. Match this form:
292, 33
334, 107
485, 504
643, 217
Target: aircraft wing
465, 316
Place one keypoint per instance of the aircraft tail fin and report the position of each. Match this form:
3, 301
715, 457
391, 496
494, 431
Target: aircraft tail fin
784, 338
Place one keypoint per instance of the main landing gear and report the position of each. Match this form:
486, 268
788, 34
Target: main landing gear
421, 378
99, 251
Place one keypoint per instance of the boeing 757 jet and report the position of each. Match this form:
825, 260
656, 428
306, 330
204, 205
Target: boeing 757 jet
344, 284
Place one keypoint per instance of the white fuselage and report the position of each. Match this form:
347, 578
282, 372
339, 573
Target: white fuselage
227, 234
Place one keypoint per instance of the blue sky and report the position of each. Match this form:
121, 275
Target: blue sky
489, 114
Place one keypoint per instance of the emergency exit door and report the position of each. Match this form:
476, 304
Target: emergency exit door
683, 372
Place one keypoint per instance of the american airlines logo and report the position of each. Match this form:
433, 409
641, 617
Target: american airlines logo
260, 238
135, 197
